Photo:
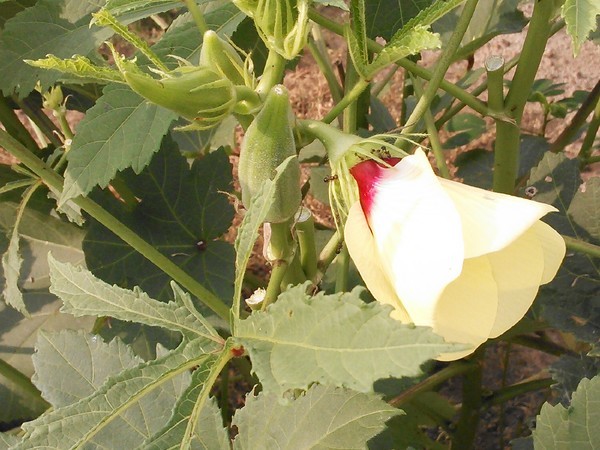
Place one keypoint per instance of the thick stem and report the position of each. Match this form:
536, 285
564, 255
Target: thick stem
278, 271
350, 97
319, 52
328, 254
506, 149
55, 182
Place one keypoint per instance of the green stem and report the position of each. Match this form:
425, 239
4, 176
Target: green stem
503, 395
272, 74
506, 148
540, 344
278, 271
328, 254
378, 87
319, 53
341, 274
441, 66
587, 145
41, 120
466, 428
579, 246
55, 182
350, 97
434, 137
579, 119
494, 66
20, 380
305, 230
13, 125
457, 92
432, 381
196, 13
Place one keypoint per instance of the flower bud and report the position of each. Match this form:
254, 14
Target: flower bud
268, 141
282, 24
197, 93
221, 57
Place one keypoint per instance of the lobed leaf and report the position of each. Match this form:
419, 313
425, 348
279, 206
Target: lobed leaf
325, 417
336, 339
125, 410
558, 427
79, 66
386, 17
122, 130
71, 365
85, 295
569, 370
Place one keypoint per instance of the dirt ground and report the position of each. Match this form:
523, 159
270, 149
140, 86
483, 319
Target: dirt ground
311, 99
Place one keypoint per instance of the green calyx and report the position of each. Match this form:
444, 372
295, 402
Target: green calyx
282, 24
269, 140
222, 57
196, 93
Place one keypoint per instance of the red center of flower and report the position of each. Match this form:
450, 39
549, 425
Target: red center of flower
366, 174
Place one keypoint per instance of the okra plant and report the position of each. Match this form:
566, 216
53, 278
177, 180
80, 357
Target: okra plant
132, 316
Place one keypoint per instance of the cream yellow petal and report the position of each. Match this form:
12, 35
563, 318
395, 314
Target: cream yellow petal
466, 310
490, 220
554, 248
418, 235
517, 269
363, 251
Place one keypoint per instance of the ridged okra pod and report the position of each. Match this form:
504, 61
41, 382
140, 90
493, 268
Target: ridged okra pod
268, 141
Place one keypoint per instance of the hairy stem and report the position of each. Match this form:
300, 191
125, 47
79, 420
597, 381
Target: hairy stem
466, 428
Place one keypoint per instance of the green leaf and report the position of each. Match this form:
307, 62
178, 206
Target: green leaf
580, 17
9, 8
122, 130
342, 340
575, 427
126, 410
475, 166
7, 440
80, 67
325, 417
196, 143
385, 17
556, 181
248, 231
17, 341
41, 233
196, 421
246, 38
357, 37
85, 295
467, 127
71, 365
182, 211
569, 370
131, 10
42, 29
318, 184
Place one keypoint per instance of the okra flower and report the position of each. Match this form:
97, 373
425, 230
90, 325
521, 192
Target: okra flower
464, 261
